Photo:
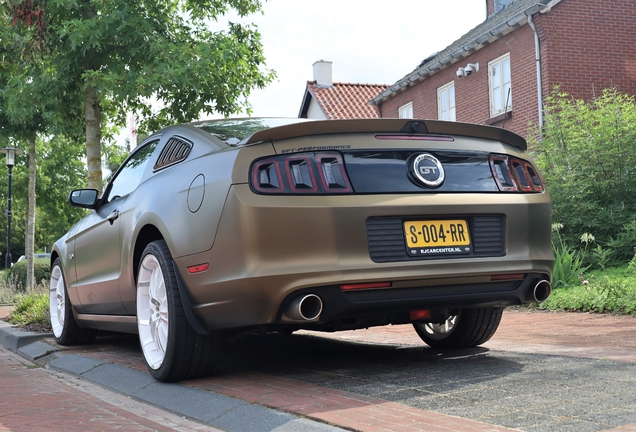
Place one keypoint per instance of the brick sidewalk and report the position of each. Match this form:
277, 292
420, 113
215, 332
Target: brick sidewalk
38, 399
5, 311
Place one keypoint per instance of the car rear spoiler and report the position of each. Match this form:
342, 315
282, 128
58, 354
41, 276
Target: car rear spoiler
405, 126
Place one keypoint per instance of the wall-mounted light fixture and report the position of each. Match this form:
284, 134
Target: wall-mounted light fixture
467, 70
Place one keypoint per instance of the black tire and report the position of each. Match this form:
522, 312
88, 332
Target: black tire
467, 329
65, 328
181, 353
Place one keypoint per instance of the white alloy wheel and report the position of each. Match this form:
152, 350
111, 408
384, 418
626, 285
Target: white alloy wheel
152, 311
57, 300
441, 331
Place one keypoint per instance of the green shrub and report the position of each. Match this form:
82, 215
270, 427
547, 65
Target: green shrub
601, 258
18, 273
587, 156
568, 263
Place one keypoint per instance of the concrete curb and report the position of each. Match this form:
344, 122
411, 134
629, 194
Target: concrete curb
14, 338
216, 410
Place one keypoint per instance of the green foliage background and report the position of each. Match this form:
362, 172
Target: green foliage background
61, 167
588, 158
56, 55
18, 273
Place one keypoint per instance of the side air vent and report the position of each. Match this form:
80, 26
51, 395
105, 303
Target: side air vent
175, 151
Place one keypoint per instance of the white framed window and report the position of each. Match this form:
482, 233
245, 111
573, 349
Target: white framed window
499, 85
406, 110
446, 102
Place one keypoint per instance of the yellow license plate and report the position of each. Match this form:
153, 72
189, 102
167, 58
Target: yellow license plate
437, 236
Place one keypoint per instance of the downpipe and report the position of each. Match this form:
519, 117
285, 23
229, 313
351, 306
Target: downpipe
306, 307
539, 292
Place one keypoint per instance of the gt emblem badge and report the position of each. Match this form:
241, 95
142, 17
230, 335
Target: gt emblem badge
428, 171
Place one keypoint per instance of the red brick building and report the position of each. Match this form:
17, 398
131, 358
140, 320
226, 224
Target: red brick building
499, 72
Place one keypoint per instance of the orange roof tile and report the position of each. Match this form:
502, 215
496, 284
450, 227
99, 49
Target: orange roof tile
346, 100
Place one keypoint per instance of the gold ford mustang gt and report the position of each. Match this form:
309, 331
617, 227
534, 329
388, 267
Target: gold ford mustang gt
274, 225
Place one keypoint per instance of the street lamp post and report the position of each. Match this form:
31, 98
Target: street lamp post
10, 152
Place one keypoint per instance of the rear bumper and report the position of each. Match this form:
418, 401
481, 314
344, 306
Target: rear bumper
339, 304
269, 249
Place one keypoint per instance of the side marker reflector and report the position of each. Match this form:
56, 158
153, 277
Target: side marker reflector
199, 268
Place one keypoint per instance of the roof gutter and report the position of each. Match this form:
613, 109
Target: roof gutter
537, 49
538, 65
420, 74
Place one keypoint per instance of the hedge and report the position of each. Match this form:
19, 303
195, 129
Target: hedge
18, 273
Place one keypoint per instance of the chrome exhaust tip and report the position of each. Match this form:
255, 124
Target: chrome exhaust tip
306, 307
541, 291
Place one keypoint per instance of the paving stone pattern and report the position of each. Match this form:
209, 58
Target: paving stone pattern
525, 391
541, 372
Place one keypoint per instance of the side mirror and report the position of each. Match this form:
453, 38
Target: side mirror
85, 198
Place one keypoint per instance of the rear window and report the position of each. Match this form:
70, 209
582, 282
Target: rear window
235, 132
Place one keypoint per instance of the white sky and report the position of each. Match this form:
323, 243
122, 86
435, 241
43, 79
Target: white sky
373, 42
368, 41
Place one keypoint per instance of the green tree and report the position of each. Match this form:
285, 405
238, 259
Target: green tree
21, 114
61, 168
29, 107
588, 157
114, 56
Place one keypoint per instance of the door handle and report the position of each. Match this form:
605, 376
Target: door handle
113, 216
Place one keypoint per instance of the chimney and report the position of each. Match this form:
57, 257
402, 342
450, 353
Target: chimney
494, 6
490, 8
322, 73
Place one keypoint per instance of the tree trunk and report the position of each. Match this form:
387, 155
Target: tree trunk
30, 231
93, 115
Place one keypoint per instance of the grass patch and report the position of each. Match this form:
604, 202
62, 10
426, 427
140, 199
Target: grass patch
9, 294
31, 310
610, 291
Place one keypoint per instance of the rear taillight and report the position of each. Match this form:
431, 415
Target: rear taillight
514, 175
303, 173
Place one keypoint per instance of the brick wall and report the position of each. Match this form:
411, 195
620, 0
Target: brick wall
472, 104
586, 46
591, 45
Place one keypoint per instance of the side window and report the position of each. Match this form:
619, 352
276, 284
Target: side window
500, 85
446, 102
406, 111
130, 174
